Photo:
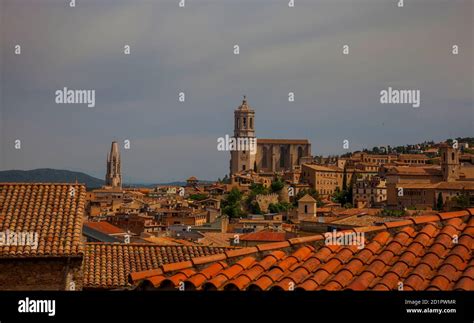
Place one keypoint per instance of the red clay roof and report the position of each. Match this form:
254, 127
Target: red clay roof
431, 252
52, 211
104, 227
411, 170
264, 236
107, 265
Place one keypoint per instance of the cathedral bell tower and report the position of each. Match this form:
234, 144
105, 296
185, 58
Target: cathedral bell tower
244, 129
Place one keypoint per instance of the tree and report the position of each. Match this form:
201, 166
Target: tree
277, 185
255, 208
349, 188
231, 204
338, 196
279, 207
439, 202
344, 179
198, 197
461, 201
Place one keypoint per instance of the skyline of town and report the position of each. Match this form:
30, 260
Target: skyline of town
282, 50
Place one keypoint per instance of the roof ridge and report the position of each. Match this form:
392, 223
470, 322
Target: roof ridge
137, 244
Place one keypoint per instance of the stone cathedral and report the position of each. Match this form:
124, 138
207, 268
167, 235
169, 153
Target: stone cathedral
113, 177
272, 155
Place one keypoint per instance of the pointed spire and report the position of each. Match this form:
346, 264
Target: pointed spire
114, 176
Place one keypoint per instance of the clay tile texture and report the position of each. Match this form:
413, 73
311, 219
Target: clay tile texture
431, 253
108, 265
51, 212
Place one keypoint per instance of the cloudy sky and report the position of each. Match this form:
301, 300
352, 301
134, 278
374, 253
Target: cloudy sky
190, 49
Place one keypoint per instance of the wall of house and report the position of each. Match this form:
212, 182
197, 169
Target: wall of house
41, 274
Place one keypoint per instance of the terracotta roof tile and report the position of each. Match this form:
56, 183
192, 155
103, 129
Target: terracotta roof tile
209, 259
422, 256
439, 283
264, 236
51, 211
273, 245
425, 219
309, 239
240, 252
108, 265
450, 215
393, 224
389, 281
465, 283
104, 227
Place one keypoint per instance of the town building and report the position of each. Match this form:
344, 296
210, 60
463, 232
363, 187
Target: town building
419, 186
271, 155
369, 192
307, 207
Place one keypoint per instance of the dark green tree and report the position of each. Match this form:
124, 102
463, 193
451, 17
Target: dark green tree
277, 185
439, 202
344, 179
231, 204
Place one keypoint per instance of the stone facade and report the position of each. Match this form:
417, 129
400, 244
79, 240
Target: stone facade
271, 155
264, 200
57, 274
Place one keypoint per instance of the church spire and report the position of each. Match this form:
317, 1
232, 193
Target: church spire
114, 175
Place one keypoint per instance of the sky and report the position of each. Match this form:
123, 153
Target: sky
191, 50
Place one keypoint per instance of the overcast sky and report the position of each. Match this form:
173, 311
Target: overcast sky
190, 49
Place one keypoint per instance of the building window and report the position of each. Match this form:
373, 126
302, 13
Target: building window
305, 209
243, 167
251, 123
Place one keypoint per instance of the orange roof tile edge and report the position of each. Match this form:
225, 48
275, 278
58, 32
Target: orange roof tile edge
301, 240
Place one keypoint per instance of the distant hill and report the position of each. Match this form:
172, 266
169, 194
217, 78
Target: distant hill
50, 176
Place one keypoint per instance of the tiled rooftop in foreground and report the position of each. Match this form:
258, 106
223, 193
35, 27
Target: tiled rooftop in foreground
432, 252
51, 210
107, 265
